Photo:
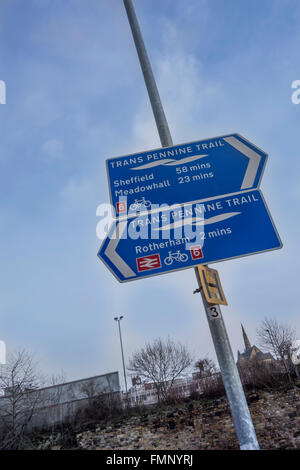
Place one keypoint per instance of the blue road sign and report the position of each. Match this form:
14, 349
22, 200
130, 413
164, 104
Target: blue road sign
160, 242
184, 173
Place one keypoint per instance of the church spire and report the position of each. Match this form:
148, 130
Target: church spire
246, 340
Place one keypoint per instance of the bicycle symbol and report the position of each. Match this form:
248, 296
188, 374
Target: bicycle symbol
140, 203
177, 256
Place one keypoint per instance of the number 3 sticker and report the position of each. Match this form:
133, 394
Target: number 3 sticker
214, 312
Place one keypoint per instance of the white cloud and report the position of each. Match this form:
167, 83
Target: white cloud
77, 196
53, 149
185, 95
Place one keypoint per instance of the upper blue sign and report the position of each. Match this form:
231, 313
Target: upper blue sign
184, 173
189, 235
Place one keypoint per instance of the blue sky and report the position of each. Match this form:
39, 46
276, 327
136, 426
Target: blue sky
75, 96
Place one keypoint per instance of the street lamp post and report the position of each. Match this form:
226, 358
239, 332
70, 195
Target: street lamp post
118, 319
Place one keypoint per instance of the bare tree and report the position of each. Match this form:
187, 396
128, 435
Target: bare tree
206, 367
161, 362
51, 398
19, 382
277, 338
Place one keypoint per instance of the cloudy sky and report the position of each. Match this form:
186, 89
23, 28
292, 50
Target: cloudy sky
76, 96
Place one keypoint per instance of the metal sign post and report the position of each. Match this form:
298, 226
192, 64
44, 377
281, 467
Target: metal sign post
234, 390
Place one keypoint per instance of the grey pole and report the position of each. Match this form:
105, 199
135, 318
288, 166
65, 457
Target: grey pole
118, 319
231, 379
234, 390
158, 111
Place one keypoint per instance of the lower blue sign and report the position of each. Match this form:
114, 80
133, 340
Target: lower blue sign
188, 235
